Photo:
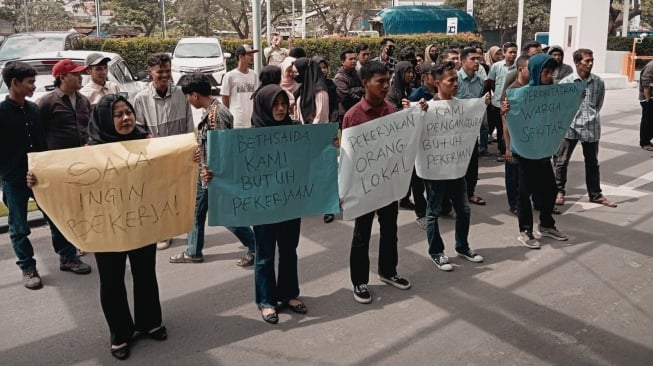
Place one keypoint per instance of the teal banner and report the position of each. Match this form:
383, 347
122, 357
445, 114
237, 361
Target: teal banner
539, 117
272, 174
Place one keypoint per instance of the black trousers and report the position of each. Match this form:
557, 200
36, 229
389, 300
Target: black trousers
113, 294
536, 178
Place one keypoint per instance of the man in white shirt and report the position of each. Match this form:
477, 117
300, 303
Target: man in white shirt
98, 86
238, 86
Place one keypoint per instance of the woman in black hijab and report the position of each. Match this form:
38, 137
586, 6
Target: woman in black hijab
400, 88
269, 75
271, 109
331, 88
313, 94
113, 120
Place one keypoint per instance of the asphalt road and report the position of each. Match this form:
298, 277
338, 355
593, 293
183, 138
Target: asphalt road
588, 301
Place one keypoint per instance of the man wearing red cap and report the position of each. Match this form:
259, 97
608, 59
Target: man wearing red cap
64, 117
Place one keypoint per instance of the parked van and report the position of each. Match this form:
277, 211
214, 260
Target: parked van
199, 54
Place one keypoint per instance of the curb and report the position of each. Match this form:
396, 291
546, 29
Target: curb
34, 219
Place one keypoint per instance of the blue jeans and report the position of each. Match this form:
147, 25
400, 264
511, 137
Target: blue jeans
435, 191
196, 236
270, 290
15, 195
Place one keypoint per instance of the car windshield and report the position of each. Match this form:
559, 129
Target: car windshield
17, 47
197, 50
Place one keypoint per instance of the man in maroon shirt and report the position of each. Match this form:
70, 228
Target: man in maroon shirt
376, 81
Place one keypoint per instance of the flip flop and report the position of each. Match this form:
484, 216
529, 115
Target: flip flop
477, 200
184, 258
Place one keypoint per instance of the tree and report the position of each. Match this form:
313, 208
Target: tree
144, 13
644, 8
45, 16
501, 16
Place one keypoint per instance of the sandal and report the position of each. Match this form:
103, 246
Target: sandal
185, 258
121, 353
247, 260
560, 199
272, 318
160, 334
477, 200
298, 308
501, 158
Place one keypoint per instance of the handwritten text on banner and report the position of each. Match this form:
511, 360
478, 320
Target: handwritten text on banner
272, 174
539, 117
119, 196
448, 138
376, 161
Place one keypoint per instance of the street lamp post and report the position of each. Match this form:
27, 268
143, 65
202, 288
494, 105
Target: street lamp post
97, 17
25, 14
163, 18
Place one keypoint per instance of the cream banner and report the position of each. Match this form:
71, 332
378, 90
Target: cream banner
119, 196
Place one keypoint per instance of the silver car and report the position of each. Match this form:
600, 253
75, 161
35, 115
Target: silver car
21, 45
119, 72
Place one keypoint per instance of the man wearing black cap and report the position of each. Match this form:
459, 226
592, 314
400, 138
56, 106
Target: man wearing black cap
98, 67
238, 86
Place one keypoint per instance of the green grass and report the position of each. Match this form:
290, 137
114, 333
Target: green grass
4, 211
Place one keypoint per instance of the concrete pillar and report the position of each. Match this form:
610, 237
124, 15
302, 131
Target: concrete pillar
578, 24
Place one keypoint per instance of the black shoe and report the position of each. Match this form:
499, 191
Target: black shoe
160, 334
362, 294
121, 353
299, 308
407, 205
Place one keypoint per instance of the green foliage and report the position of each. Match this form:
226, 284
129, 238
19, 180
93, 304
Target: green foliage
44, 16
136, 50
144, 13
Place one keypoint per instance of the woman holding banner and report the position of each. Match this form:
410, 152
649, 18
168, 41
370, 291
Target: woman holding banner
271, 109
113, 121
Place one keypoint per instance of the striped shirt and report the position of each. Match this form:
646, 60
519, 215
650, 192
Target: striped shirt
586, 125
167, 116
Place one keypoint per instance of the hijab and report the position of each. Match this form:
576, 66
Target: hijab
432, 48
399, 89
535, 66
270, 74
263, 102
489, 55
287, 84
312, 81
101, 129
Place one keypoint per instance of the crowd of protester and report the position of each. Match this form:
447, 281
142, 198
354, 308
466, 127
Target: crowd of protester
294, 88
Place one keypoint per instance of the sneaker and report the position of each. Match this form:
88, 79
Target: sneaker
553, 233
442, 262
528, 239
396, 281
406, 205
421, 222
362, 294
164, 244
470, 255
31, 279
75, 265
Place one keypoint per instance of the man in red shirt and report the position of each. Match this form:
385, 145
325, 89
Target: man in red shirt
376, 81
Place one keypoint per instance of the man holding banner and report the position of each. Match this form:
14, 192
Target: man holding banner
373, 105
537, 119
444, 151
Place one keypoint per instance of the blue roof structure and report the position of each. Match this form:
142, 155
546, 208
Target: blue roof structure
415, 19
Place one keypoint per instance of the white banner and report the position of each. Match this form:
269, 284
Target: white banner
376, 161
448, 138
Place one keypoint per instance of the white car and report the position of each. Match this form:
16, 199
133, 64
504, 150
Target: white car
24, 44
119, 72
199, 54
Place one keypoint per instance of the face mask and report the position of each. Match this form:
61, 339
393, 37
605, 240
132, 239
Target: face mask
390, 50
433, 56
298, 78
